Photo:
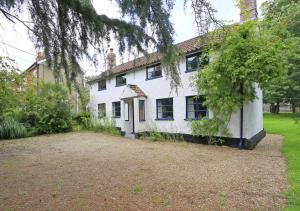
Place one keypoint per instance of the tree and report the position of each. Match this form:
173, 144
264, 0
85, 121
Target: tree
67, 30
10, 86
282, 17
276, 92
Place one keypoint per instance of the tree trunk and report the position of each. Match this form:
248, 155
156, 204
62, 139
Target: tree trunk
294, 107
277, 106
272, 108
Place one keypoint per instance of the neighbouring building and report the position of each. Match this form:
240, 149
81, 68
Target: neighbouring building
39, 72
138, 96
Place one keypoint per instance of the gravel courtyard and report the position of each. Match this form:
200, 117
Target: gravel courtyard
89, 171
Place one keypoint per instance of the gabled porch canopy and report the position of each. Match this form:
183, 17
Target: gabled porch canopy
132, 91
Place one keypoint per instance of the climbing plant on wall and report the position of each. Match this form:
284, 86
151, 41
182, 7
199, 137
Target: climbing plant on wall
249, 56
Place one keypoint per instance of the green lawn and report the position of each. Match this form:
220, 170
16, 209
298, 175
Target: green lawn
285, 125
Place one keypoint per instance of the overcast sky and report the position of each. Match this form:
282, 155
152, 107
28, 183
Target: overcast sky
15, 35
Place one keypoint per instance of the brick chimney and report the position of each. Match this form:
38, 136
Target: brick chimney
248, 10
40, 56
111, 57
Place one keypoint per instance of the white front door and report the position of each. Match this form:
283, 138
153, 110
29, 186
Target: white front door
128, 116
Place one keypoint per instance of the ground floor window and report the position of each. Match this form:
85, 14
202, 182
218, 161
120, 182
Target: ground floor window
101, 110
164, 109
195, 109
142, 110
116, 109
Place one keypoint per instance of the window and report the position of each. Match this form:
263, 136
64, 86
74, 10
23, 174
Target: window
116, 108
142, 110
101, 110
154, 72
101, 85
195, 109
193, 61
164, 109
121, 80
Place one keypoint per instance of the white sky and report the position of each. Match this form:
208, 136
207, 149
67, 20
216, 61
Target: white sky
16, 34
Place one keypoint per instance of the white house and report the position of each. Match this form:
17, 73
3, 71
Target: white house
138, 96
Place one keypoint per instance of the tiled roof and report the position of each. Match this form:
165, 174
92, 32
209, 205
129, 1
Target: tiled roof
137, 90
186, 47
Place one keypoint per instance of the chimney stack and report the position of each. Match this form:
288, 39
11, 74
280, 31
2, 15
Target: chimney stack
248, 10
111, 57
40, 56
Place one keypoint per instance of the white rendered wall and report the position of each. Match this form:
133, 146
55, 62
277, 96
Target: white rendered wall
160, 88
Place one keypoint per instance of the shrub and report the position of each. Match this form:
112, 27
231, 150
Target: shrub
154, 135
10, 129
83, 119
47, 111
104, 125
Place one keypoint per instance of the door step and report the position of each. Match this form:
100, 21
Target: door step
130, 135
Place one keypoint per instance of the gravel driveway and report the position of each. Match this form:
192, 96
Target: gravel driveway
89, 171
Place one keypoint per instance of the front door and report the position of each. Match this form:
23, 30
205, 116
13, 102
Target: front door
129, 116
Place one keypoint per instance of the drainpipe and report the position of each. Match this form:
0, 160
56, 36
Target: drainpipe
241, 144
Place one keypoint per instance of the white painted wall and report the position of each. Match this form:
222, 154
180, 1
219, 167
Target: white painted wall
160, 88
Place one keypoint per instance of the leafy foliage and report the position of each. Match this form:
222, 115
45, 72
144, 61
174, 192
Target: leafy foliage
83, 119
51, 117
10, 85
78, 28
282, 18
240, 64
10, 129
104, 125
70, 30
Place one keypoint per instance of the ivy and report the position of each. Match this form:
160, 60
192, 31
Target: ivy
249, 57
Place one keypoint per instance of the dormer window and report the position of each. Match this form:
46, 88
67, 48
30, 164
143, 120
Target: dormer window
153, 72
121, 80
101, 85
193, 62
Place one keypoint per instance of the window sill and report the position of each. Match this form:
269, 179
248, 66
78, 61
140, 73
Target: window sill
190, 71
101, 90
193, 119
120, 85
148, 79
165, 119
116, 117
142, 120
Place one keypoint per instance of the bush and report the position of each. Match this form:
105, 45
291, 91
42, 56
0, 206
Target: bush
154, 135
49, 111
83, 119
10, 129
104, 125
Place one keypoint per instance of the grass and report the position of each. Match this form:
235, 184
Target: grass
10, 129
285, 125
137, 188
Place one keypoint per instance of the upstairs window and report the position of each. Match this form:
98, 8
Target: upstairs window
153, 72
195, 109
101, 85
101, 110
121, 80
164, 109
142, 110
116, 108
196, 61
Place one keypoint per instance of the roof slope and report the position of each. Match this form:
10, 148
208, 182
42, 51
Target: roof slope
188, 46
